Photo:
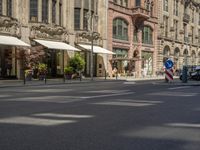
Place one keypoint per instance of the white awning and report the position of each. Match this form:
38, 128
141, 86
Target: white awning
96, 49
13, 41
56, 45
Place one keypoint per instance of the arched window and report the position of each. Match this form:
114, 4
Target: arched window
45, 11
147, 35
166, 53
34, 10
120, 29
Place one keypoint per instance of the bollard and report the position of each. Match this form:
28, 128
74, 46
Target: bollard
184, 74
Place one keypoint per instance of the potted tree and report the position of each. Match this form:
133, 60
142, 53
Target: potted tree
68, 72
28, 74
77, 63
42, 70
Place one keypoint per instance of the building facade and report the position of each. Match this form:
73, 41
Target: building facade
179, 32
132, 35
37, 22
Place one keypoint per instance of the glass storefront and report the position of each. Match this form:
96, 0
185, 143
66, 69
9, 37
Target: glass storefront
147, 63
7, 65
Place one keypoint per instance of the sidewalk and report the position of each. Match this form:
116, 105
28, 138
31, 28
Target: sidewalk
17, 83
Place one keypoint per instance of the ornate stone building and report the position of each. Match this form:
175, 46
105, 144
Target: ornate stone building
48, 24
179, 32
132, 35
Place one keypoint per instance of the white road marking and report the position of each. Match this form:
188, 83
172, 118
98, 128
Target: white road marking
130, 82
34, 121
174, 94
187, 125
124, 104
179, 87
62, 115
107, 95
128, 102
165, 133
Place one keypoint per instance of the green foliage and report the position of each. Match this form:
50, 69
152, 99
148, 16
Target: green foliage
42, 68
68, 70
28, 72
77, 63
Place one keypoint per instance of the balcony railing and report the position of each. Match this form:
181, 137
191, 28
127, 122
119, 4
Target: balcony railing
186, 17
140, 12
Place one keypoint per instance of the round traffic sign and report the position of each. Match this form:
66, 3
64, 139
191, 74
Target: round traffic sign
169, 64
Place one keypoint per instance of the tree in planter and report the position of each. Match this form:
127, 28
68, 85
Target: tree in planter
42, 70
77, 63
68, 72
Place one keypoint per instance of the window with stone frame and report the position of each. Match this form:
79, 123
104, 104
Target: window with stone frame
199, 36
9, 8
165, 21
176, 29
120, 29
121, 2
53, 11
85, 19
135, 35
147, 35
199, 18
33, 10
77, 18
1, 7
147, 5
125, 3
192, 34
193, 15
45, 7
165, 5
60, 13
137, 2
176, 7
186, 39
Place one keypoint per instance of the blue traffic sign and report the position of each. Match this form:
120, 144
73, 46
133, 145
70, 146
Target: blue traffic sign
169, 64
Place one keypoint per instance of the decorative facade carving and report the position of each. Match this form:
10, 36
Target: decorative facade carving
9, 26
46, 31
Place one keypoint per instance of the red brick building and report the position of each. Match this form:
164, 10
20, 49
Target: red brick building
132, 35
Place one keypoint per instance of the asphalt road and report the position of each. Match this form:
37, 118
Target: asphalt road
100, 116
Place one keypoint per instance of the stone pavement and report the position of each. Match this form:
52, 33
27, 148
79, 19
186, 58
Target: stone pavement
159, 80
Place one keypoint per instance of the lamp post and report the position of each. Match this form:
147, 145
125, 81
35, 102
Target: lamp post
91, 35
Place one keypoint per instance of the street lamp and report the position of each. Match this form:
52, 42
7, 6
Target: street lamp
91, 35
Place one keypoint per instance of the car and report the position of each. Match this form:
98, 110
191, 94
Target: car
194, 75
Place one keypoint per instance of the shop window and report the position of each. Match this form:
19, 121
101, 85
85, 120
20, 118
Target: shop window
120, 53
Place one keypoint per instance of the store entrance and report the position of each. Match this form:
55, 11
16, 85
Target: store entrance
6, 64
